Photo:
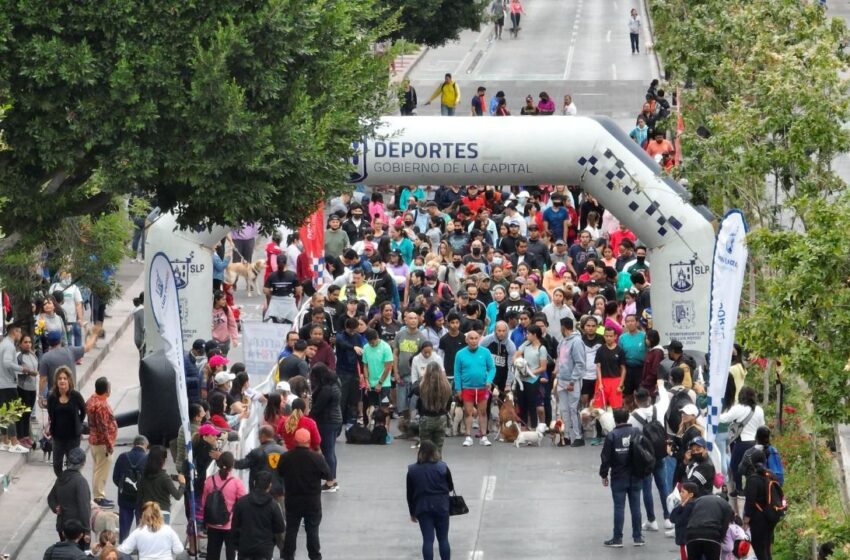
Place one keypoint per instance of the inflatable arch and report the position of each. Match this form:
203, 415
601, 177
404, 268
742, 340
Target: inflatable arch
592, 152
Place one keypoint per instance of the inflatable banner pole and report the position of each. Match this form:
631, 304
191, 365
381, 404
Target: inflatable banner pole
727, 281
312, 235
165, 305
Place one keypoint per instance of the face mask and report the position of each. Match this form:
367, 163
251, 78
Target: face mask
418, 267
65, 282
408, 224
514, 294
457, 264
497, 260
641, 259
556, 203
476, 251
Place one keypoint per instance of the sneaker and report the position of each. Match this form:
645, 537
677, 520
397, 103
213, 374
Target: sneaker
596, 441
4, 447
104, 503
614, 543
668, 524
577, 443
670, 533
649, 526
468, 441
18, 449
485, 442
329, 487
639, 541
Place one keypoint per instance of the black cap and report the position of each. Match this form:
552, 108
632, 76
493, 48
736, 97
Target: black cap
199, 344
210, 346
675, 346
594, 283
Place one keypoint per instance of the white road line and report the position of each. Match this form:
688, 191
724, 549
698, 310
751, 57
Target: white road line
491, 488
608, 36
476, 555
483, 487
571, 51
614, 72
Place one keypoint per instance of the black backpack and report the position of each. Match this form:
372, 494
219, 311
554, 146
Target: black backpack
654, 432
641, 456
215, 508
776, 507
673, 418
128, 486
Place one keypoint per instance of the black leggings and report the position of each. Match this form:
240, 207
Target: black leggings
515, 20
530, 398
216, 538
23, 425
703, 550
762, 537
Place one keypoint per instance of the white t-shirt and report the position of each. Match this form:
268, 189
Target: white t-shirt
72, 297
738, 413
162, 545
420, 363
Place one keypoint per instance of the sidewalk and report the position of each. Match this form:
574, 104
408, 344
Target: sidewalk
403, 64
27, 479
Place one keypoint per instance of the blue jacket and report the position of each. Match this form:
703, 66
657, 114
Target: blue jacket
219, 265
135, 457
474, 370
346, 358
193, 378
428, 487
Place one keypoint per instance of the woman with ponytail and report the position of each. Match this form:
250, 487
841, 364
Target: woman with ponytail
288, 425
435, 395
231, 489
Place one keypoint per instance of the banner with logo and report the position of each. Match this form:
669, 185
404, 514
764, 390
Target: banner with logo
312, 234
262, 343
727, 281
164, 304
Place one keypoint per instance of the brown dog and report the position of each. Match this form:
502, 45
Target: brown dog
508, 420
249, 271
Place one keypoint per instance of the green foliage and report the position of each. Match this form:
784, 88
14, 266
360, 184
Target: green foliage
223, 111
12, 412
433, 23
802, 315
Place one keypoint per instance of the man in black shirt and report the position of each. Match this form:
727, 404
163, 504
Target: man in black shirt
318, 317
611, 370
514, 303
280, 288
303, 471
642, 300
451, 343
295, 363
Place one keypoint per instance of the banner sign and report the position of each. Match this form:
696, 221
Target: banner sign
165, 306
312, 235
727, 281
261, 344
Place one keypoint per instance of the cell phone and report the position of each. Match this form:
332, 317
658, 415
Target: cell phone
175, 477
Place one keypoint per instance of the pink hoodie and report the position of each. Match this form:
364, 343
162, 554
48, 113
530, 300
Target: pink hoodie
224, 326
231, 488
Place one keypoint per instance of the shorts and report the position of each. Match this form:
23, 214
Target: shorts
475, 395
375, 397
403, 395
588, 387
609, 394
632, 381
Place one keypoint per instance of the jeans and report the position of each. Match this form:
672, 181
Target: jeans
311, 518
431, 523
663, 491
23, 425
634, 40
75, 334
738, 450
329, 433
622, 488
349, 397
669, 473
447, 111
704, 550
216, 538
722, 443
126, 515
568, 405
61, 447
433, 429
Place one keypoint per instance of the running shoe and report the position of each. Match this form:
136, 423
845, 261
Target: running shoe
614, 543
468, 441
485, 442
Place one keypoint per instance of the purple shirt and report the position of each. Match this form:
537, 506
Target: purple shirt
247, 231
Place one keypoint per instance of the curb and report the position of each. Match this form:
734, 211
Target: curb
82, 380
658, 66
398, 78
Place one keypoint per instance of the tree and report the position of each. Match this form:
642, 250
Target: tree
223, 112
434, 23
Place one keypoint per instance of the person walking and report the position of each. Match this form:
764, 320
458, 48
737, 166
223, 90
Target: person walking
156, 485
624, 484
435, 394
429, 482
328, 416
231, 488
153, 539
756, 503
66, 410
303, 471
70, 497
27, 389
634, 30
257, 523
449, 94
126, 475
516, 11
103, 430
10, 370
571, 367
408, 100
474, 371
747, 417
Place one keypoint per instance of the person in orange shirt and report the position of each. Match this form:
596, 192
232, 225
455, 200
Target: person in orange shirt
659, 145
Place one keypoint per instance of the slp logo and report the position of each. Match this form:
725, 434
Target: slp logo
730, 243
684, 315
181, 271
682, 276
358, 160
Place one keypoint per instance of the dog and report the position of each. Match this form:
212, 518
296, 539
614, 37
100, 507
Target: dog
556, 430
493, 420
605, 417
408, 428
455, 418
508, 419
251, 272
535, 436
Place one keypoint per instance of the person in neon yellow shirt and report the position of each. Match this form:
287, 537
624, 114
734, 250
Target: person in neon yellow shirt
449, 93
362, 289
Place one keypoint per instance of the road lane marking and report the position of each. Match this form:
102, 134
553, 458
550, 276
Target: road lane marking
491, 488
476, 555
608, 36
614, 71
571, 51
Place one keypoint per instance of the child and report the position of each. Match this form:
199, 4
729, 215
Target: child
734, 533
682, 513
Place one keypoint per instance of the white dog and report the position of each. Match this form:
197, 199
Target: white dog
605, 417
536, 436
455, 419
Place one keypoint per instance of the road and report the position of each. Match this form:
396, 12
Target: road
572, 47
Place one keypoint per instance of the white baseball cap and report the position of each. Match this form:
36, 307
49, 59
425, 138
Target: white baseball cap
223, 377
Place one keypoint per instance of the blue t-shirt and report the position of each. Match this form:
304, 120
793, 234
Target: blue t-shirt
634, 347
555, 221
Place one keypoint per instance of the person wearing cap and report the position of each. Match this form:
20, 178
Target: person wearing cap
357, 224
616, 462
303, 471
70, 497
223, 382
689, 429
537, 247
559, 254
58, 356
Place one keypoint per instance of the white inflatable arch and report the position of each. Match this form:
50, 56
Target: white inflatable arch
592, 152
